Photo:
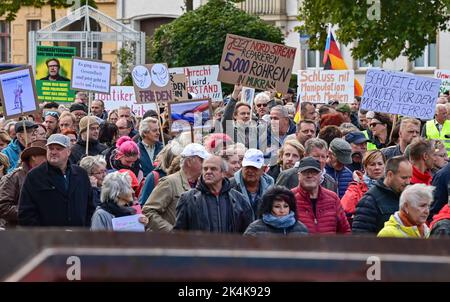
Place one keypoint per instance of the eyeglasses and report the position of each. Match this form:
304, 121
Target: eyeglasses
261, 105
52, 113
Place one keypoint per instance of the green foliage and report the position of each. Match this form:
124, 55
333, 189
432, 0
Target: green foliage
126, 62
198, 36
404, 27
11, 7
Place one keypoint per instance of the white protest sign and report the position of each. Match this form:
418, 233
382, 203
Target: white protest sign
202, 81
124, 96
320, 86
18, 92
400, 93
90, 75
128, 224
444, 76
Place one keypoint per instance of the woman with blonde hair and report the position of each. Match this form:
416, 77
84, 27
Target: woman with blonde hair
4, 164
5, 139
290, 153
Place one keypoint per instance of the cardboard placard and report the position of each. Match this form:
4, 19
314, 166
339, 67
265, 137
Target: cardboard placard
152, 83
400, 93
256, 63
189, 115
179, 86
202, 81
123, 96
320, 86
91, 75
444, 76
53, 73
18, 92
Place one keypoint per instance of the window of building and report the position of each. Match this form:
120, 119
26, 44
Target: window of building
314, 58
5, 40
428, 58
32, 25
364, 64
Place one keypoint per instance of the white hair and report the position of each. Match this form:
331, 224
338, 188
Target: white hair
144, 126
115, 184
88, 163
262, 96
414, 194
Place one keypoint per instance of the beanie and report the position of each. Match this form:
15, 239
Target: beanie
84, 122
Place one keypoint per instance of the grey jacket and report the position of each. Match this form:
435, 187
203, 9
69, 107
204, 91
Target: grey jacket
102, 220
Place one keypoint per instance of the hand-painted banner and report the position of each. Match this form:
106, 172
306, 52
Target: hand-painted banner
255, 63
152, 83
320, 86
202, 81
444, 76
123, 96
179, 86
400, 93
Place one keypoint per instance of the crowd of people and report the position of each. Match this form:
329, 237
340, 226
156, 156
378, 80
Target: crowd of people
251, 170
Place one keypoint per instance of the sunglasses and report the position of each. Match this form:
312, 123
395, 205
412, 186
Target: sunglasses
261, 105
374, 124
52, 113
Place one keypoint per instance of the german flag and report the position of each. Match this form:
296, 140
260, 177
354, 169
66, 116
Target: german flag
332, 60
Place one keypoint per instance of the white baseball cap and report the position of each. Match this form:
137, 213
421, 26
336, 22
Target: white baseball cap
195, 149
253, 158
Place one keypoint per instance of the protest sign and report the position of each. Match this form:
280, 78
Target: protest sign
152, 83
128, 224
123, 96
247, 95
202, 81
400, 93
320, 86
91, 75
444, 76
189, 115
53, 73
18, 92
179, 86
255, 63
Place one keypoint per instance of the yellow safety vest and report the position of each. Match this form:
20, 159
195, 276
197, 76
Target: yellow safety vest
432, 132
370, 145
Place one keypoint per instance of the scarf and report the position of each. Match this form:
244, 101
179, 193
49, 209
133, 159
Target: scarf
407, 222
369, 181
116, 210
279, 222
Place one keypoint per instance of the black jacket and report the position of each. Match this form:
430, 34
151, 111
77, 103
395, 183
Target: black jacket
260, 228
198, 209
375, 208
79, 150
44, 201
441, 180
441, 228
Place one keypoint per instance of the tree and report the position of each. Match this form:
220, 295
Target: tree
198, 36
381, 29
11, 7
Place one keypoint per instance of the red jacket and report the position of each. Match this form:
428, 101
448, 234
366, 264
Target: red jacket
444, 213
421, 178
330, 217
352, 196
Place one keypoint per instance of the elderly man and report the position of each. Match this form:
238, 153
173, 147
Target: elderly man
316, 148
150, 145
261, 102
358, 142
339, 155
213, 206
318, 208
439, 127
281, 127
381, 201
67, 121
160, 207
56, 193
95, 147
11, 184
18, 144
251, 179
409, 129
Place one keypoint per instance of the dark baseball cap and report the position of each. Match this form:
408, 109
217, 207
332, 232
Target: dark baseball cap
356, 137
28, 125
308, 163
